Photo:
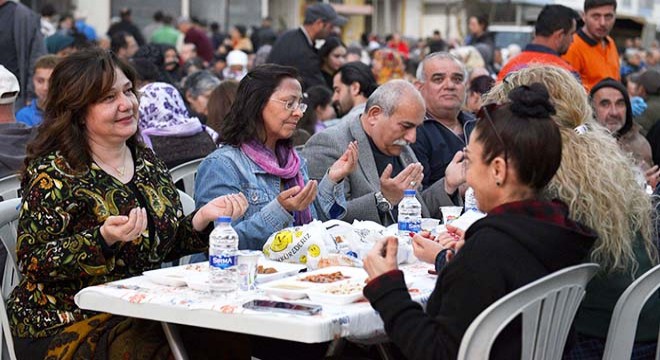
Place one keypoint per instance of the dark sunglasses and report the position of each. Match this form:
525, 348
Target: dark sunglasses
484, 113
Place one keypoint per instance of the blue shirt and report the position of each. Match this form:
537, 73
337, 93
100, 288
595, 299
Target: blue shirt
228, 170
30, 115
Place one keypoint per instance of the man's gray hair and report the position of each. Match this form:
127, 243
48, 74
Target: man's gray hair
421, 76
200, 82
391, 94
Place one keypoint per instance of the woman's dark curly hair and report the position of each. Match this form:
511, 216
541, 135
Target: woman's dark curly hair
524, 133
78, 81
245, 121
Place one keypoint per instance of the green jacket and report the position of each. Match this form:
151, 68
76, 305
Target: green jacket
593, 318
651, 115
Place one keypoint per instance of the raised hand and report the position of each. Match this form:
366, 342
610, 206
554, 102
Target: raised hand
409, 178
455, 173
426, 250
124, 228
345, 164
233, 205
652, 176
295, 199
382, 257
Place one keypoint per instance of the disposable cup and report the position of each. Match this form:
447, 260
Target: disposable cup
450, 213
247, 269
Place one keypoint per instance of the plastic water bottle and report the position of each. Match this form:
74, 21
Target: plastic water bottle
223, 259
470, 201
410, 214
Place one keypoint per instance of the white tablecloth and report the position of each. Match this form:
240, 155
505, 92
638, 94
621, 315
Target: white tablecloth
140, 297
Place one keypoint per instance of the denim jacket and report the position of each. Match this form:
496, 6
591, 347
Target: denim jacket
228, 170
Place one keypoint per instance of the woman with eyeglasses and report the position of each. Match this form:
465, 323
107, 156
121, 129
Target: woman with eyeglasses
256, 157
513, 152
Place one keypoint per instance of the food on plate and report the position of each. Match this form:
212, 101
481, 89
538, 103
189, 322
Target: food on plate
197, 267
325, 278
337, 260
266, 270
289, 287
344, 288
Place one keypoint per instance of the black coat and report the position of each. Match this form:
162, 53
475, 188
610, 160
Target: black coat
502, 253
293, 49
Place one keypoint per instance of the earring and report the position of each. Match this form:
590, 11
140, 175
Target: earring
498, 183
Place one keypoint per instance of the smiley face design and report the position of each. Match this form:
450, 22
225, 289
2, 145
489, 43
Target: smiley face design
314, 250
303, 259
281, 241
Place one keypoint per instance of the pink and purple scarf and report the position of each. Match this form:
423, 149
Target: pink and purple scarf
285, 164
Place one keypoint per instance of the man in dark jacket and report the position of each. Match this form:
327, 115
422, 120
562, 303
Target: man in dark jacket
296, 47
22, 44
126, 25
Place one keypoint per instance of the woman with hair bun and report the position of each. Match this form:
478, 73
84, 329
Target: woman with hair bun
513, 153
598, 182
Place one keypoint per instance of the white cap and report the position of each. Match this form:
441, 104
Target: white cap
8, 84
237, 57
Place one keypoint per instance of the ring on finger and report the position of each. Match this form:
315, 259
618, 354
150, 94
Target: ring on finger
413, 183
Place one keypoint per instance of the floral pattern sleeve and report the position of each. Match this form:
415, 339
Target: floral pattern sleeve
60, 249
46, 249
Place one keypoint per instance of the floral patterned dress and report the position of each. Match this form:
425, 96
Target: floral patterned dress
60, 248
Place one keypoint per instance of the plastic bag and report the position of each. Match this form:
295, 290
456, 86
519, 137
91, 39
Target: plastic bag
300, 244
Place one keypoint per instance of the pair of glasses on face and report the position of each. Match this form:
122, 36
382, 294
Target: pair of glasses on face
484, 114
292, 105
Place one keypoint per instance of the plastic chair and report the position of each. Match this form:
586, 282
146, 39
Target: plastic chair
9, 210
10, 186
186, 172
187, 203
621, 334
548, 306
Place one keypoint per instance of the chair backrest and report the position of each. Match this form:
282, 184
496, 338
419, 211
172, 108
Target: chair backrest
548, 306
186, 172
621, 334
9, 210
9, 186
187, 203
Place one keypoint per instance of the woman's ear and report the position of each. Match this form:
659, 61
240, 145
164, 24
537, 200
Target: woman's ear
499, 170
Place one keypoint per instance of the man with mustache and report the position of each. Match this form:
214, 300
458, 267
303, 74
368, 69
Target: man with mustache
387, 164
593, 53
442, 81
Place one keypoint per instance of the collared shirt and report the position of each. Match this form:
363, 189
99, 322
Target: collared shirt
309, 38
593, 61
436, 145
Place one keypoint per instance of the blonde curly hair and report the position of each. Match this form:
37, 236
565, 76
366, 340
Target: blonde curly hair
595, 177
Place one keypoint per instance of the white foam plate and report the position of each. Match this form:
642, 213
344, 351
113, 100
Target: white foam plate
173, 276
283, 270
347, 292
296, 287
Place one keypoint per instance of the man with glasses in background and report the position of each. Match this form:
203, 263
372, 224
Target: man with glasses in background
442, 81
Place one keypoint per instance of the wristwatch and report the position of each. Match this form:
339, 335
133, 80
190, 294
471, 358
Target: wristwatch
382, 204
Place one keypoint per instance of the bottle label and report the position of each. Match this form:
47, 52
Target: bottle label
223, 262
410, 226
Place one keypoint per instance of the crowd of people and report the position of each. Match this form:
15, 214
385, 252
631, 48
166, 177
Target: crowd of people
559, 142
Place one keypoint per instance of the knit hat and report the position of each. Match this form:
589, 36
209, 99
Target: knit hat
609, 82
237, 57
9, 86
57, 42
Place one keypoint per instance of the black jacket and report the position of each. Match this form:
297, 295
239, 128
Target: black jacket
293, 49
502, 253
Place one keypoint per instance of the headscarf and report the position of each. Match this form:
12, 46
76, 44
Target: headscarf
163, 113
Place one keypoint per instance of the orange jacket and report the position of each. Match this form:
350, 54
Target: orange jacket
593, 61
534, 53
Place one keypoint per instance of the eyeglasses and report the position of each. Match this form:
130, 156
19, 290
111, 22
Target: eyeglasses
292, 105
484, 113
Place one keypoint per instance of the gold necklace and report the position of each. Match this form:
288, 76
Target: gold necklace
120, 170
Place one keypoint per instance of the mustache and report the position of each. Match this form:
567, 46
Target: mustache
400, 142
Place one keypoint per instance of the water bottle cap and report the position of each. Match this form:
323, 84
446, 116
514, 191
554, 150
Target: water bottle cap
409, 192
224, 219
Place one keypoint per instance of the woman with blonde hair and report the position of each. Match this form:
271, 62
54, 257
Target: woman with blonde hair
598, 182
